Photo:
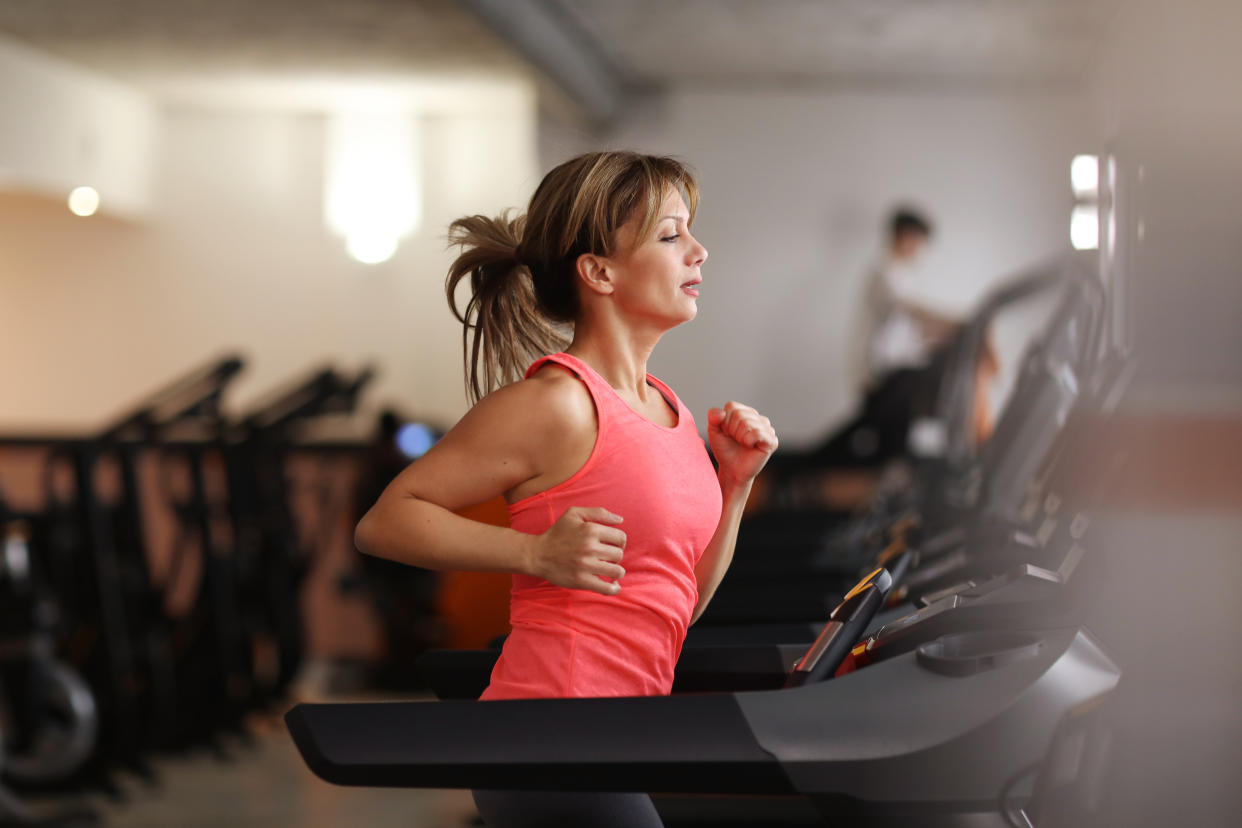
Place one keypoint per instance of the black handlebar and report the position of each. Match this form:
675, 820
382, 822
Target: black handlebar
844, 628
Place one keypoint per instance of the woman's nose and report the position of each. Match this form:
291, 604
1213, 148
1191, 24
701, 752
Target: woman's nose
699, 253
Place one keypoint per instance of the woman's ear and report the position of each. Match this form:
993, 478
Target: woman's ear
595, 273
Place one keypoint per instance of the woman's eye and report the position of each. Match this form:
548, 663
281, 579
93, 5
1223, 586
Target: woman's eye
672, 238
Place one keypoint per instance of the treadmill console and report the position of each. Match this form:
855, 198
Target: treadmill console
845, 626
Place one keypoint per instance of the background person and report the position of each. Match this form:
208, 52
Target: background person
903, 319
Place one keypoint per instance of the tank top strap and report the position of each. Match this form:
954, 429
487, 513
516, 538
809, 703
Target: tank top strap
605, 399
671, 398
608, 404
584, 372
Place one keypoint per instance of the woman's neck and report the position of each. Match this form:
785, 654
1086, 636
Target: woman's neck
619, 356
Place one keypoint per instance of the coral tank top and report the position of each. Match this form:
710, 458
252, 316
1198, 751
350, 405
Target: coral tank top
575, 643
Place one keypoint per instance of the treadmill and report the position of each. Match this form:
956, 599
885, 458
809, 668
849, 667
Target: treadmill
940, 728
929, 736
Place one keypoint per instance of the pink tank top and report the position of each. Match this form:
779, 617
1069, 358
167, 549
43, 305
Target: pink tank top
575, 643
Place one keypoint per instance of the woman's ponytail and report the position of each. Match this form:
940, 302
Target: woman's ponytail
509, 329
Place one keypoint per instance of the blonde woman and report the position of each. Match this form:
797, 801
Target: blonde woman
621, 529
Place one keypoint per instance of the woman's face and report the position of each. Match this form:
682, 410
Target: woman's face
658, 277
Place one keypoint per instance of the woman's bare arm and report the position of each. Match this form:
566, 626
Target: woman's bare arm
715, 561
742, 440
510, 438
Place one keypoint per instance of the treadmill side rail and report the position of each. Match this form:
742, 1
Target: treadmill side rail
659, 744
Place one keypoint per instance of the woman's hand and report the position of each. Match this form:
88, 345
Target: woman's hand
742, 440
580, 550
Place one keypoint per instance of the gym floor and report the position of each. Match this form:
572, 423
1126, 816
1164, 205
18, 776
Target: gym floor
266, 784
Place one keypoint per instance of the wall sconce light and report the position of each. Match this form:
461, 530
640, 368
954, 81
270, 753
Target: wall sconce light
84, 201
372, 188
1085, 217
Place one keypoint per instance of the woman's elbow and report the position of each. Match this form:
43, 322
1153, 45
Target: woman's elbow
391, 529
385, 531
364, 534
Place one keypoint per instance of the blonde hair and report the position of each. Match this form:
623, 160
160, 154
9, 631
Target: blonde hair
522, 269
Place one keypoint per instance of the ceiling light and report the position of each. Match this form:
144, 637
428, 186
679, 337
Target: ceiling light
84, 201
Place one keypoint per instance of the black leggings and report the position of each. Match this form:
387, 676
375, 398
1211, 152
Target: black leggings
560, 809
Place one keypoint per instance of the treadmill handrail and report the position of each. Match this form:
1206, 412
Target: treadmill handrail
957, 385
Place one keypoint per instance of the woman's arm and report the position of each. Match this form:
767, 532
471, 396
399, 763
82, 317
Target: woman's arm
714, 563
742, 440
508, 439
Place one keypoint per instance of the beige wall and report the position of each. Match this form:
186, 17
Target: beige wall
234, 256
64, 127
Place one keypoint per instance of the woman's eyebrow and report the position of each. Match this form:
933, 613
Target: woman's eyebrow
674, 218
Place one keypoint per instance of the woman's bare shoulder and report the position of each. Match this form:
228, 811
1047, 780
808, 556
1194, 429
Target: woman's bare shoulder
552, 403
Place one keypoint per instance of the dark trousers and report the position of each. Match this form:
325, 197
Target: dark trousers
561, 809
878, 434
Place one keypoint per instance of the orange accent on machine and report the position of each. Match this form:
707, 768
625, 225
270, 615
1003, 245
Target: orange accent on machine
475, 605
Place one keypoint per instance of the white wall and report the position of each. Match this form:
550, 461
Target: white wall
1166, 97
1166, 93
64, 127
94, 313
796, 186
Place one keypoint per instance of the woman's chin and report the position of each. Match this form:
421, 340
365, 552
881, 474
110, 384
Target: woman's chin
669, 318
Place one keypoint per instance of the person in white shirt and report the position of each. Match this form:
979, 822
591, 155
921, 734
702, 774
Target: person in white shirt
903, 319
897, 357
897, 362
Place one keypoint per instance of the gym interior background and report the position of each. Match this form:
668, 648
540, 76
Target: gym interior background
225, 143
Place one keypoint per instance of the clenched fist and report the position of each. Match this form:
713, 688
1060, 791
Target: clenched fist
580, 550
742, 440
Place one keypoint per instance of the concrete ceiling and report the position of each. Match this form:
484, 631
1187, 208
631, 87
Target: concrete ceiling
157, 44
168, 46
905, 41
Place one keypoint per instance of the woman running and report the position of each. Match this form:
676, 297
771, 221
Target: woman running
621, 529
